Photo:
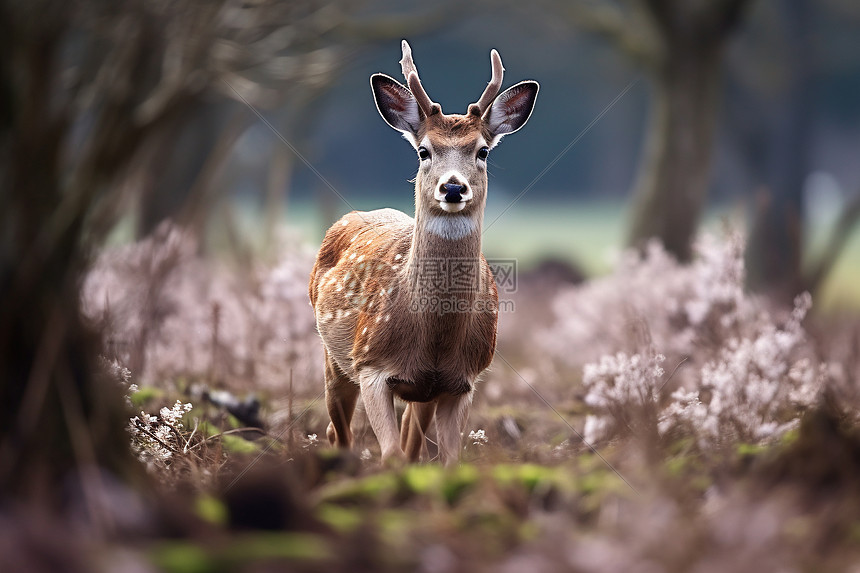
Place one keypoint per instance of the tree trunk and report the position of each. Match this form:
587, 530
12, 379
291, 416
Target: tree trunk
57, 417
673, 178
773, 257
277, 192
60, 423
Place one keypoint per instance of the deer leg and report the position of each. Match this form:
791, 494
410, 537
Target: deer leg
416, 419
451, 415
405, 422
341, 395
379, 405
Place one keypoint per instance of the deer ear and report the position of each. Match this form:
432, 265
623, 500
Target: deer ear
396, 105
511, 109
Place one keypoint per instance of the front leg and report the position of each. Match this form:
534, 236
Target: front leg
451, 415
379, 405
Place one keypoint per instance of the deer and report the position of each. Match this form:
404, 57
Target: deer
407, 307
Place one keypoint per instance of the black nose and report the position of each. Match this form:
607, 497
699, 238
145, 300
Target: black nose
453, 192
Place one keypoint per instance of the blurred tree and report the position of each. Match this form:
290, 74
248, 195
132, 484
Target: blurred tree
680, 43
86, 90
773, 257
775, 75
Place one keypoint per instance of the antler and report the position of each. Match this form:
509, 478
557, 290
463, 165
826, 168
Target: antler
493, 87
410, 72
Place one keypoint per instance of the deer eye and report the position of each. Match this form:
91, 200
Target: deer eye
423, 153
483, 153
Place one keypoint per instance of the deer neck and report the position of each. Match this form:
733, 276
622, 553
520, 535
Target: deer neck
447, 235
441, 242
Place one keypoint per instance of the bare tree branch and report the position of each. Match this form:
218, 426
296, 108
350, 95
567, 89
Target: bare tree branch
629, 29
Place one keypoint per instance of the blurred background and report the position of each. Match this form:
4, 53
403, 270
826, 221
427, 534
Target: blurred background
651, 121
251, 127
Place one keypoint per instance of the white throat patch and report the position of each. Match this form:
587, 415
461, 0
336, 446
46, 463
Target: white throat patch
451, 227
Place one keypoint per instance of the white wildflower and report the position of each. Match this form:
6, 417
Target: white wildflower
478, 438
311, 441
156, 438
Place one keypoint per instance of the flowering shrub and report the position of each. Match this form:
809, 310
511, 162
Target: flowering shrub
168, 313
156, 438
754, 390
744, 374
652, 300
622, 389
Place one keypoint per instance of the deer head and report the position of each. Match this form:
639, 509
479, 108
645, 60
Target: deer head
452, 149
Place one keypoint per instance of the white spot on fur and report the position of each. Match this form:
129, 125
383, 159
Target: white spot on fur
368, 241
352, 256
387, 317
366, 347
378, 319
339, 314
345, 223
361, 258
397, 257
364, 331
451, 227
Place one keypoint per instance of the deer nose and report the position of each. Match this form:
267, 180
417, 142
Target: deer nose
453, 192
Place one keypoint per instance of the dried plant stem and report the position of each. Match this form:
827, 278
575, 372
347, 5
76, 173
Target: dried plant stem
660, 389
191, 437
